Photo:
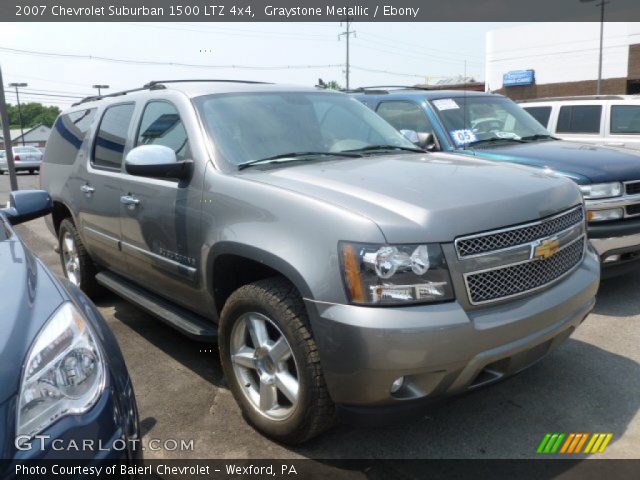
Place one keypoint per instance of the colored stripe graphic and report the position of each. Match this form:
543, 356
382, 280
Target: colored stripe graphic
572, 443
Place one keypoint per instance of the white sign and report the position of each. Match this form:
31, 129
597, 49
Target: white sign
446, 104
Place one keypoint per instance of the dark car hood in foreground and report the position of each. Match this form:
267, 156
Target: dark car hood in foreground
587, 163
427, 197
28, 297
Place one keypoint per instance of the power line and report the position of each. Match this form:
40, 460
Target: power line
53, 95
167, 64
421, 47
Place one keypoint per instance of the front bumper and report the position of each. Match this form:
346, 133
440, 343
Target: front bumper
442, 349
617, 244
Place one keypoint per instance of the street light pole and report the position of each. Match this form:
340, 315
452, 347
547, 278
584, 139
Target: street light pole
17, 86
6, 132
100, 87
601, 5
347, 34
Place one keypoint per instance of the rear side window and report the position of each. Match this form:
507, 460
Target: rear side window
541, 114
404, 116
625, 119
161, 125
67, 136
112, 136
579, 119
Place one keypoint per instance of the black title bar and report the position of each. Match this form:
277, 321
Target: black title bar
315, 10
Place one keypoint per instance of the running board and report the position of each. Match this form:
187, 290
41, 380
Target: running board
188, 323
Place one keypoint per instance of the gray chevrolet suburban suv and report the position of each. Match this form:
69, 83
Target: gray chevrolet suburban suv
339, 267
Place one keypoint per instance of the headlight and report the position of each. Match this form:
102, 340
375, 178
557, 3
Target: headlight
395, 274
601, 190
63, 375
605, 215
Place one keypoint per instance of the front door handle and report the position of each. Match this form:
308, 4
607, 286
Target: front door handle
615, 144
130, 201
88, 189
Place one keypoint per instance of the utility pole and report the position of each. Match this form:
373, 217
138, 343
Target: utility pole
601, 5
347, 35
6, 133
17, 86
100, 87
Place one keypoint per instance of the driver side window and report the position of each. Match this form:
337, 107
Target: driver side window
403, 115
161, 125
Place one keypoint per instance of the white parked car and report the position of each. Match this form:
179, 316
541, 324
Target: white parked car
26, 158
612, 120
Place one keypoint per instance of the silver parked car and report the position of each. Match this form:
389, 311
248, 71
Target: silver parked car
338, 266
26, 158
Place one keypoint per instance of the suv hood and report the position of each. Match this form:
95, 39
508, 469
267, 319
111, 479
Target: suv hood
427, 197
33, 298
586, 163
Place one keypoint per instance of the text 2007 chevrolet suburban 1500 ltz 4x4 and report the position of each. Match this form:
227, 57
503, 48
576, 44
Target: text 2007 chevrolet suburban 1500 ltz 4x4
339, 267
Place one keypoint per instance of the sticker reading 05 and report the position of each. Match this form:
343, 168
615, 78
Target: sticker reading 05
463, 137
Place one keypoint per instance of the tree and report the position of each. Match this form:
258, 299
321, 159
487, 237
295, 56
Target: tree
32, 114
333, 85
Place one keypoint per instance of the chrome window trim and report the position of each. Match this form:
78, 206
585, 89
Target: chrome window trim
513, 228
526, 292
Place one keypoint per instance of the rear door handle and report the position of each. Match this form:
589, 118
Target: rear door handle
130, 201
87, 189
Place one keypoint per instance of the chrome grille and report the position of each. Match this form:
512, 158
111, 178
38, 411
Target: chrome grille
513, 280
633, 188
518, 235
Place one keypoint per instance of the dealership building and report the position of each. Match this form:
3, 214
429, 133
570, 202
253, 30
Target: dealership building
559, 59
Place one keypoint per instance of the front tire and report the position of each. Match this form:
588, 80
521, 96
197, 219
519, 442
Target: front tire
271, 362
77, 265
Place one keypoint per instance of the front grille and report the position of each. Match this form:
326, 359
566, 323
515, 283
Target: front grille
519, 235
633, 209
633, 188
506, 282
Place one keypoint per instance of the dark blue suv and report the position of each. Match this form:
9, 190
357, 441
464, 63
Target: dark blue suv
65, 392
492, 127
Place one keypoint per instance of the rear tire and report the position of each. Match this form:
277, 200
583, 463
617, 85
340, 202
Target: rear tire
278, 383
77, 265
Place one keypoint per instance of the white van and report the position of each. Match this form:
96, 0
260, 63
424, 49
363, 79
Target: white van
612, 120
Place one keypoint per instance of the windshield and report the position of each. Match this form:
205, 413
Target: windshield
474, 120
248, 127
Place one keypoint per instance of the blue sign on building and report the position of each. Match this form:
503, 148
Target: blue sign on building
518, 78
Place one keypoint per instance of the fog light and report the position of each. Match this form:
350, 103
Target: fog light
605, 215
397, 384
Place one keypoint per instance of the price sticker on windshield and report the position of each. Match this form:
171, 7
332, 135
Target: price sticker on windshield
446, 104
463, 137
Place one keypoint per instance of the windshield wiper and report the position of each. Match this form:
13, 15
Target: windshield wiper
495, 140
538, 136
373, 148
295, 155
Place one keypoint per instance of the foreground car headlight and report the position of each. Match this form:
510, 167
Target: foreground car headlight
63, 374
395, 274
605, 215
601, 190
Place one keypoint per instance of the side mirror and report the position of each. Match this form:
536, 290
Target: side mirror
25, 205
425, 140
156, 161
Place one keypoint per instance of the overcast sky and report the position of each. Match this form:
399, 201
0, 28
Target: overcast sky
418, 51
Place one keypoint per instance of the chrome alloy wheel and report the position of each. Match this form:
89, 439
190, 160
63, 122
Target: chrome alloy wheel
264, 366
70, 258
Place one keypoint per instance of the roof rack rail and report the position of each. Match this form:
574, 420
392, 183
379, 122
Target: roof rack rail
156, 83
159, 85
378, 89
574, 97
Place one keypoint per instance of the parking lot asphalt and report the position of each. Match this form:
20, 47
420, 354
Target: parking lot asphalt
590, 384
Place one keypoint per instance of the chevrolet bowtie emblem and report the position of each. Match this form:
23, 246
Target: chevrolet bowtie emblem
547, 248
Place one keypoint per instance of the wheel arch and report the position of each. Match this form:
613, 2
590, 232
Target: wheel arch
230, 265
